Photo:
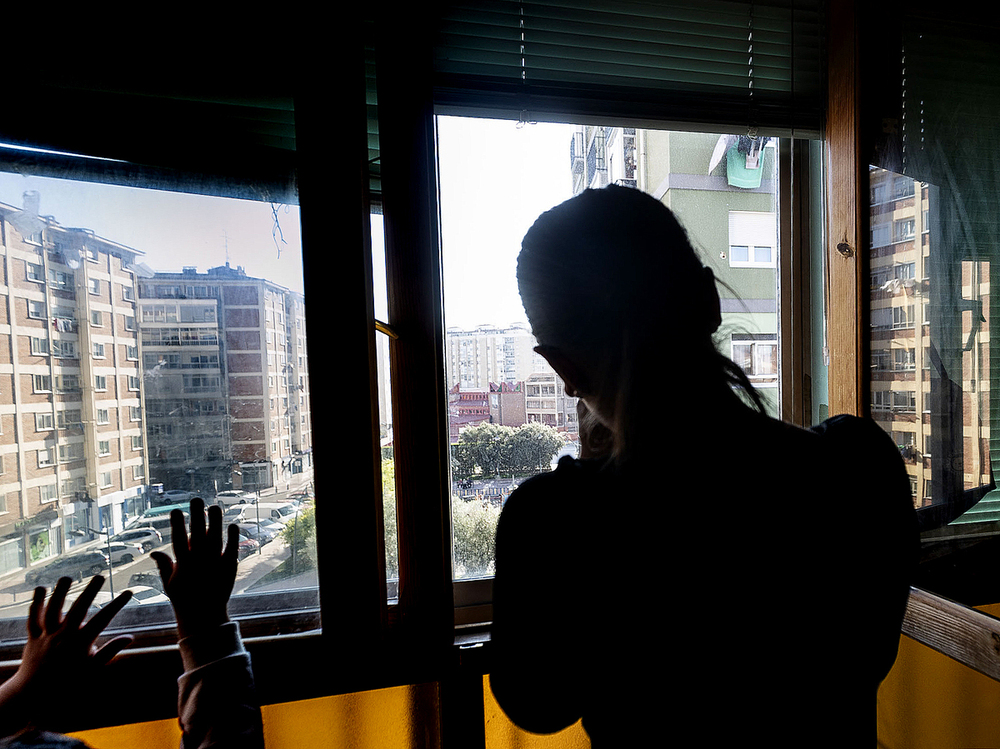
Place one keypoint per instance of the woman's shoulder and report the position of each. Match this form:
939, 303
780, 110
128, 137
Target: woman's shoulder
549, 494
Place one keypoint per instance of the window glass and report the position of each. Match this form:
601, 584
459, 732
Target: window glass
931, 376
509, 414
118, 438
386, 444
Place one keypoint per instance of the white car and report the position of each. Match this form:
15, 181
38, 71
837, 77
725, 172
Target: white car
176, 497
148, 538
234, 497
123, 553
142, 595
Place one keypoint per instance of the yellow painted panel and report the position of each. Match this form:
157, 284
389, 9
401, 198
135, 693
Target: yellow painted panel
501, 733
156, 734
930, 701
396, 718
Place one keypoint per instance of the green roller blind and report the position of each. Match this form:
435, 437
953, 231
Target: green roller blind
730, 64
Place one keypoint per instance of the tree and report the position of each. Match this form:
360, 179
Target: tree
300, 535
474, 530
389, 518
489, 450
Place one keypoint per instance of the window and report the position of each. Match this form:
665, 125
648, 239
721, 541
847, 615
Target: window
136, 442
133, 382
41, 383
757, 355
43, 422
103, 447
753, 239
48, 493
132, 353
134, 413
45, 457
71, 452
36, 310
129, 322
40, 346
60, 280
98, 350
137, 472
104, 479
68, 419
903, 358
101, 416
94, 284
64, 349
96, 318
35, 272
128, 294
100, 382
69, 383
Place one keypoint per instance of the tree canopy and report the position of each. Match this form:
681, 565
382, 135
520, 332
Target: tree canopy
490, 451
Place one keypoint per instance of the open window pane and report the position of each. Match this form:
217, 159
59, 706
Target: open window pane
155, 354
509, 415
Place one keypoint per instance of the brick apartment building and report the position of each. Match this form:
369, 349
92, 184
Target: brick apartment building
226, 372
72, 444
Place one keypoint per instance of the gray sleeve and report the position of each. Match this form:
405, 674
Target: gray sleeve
215, 694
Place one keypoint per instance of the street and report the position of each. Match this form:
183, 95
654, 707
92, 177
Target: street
16, 594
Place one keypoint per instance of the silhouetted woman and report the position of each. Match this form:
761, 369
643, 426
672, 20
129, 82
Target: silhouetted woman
717, 575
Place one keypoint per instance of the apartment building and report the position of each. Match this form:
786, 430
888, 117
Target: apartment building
72, 444
226, 368
487, 355
722, 190
930, 339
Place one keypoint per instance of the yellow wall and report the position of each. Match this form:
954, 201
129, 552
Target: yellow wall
380, 719
930, 701
502, 734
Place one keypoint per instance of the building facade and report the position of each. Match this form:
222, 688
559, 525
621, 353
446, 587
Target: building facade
72, 439
227, 373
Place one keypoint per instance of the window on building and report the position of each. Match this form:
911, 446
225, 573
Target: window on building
753, 239
36, 309
43, 422
101, 416
41, 383
45, 457
40, 346
103, 447
94, 285
98, 350
96, 318
100, 382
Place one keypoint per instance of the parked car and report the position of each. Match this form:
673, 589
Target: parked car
283, 512
142, 595
148, 579
176, 496
235, 514
258, 533
234, 497
148, 538
123, 553
77, 566
247, 547
272, 525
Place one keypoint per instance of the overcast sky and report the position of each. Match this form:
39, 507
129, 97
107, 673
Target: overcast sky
496, 178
